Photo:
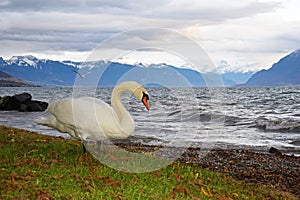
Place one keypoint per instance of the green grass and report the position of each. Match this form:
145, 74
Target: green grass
37, 166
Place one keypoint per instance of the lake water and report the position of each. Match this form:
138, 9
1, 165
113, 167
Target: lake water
227, 118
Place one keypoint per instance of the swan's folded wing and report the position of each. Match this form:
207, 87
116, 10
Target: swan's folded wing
85, 118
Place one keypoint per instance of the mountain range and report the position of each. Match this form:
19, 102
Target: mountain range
285, 72
44, 72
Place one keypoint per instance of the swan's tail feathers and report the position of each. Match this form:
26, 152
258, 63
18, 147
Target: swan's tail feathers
46, 121
52, 122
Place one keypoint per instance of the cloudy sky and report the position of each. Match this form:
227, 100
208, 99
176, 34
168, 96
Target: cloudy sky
238, 35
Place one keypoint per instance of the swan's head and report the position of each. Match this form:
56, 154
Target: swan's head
142, 94
136, 89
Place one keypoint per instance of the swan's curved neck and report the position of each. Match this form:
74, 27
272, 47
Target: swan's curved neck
123, 115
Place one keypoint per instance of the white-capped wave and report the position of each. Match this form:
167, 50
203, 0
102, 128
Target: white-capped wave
284, 125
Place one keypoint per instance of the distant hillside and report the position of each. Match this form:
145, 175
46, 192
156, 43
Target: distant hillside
47, 72
283, 73
39, 71
4, 75
7, 80
238, 77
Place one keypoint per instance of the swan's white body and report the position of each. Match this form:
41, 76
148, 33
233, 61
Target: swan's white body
90, 118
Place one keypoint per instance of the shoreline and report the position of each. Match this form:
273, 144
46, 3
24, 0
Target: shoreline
263, 169
275, 170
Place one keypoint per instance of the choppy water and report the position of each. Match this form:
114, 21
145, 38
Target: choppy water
241, 118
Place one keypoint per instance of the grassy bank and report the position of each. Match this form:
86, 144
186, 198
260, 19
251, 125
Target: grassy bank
37, 166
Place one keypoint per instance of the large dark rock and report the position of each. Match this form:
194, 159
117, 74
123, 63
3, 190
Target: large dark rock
37, 106
22, 102
18, 99
5, 103
274, 150
23, 97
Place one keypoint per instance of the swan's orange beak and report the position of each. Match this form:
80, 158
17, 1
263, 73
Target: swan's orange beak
145, 102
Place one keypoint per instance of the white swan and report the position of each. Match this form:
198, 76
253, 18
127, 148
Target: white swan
90, 118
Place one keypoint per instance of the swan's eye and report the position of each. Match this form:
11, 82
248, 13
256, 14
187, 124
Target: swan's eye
145, 96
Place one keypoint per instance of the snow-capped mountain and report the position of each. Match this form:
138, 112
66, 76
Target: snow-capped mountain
38, 71
48, 72
23, 61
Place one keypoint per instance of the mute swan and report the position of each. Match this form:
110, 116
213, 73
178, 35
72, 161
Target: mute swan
90, 118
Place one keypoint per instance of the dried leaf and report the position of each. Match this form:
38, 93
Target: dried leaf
156, 173
75, 176
57, 176
87, 178
172, 195
208, 179
206, 193
42, 195
196, 176
181, 189
199, 182
110, 181
235, 195
133, 180
178, 177
90, 187
13, 175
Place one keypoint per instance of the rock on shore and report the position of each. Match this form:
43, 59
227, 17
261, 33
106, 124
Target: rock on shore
22, 102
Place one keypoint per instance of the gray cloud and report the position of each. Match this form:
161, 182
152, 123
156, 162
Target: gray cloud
78, 6
234, 27
169, 9
211, 12
36, 5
